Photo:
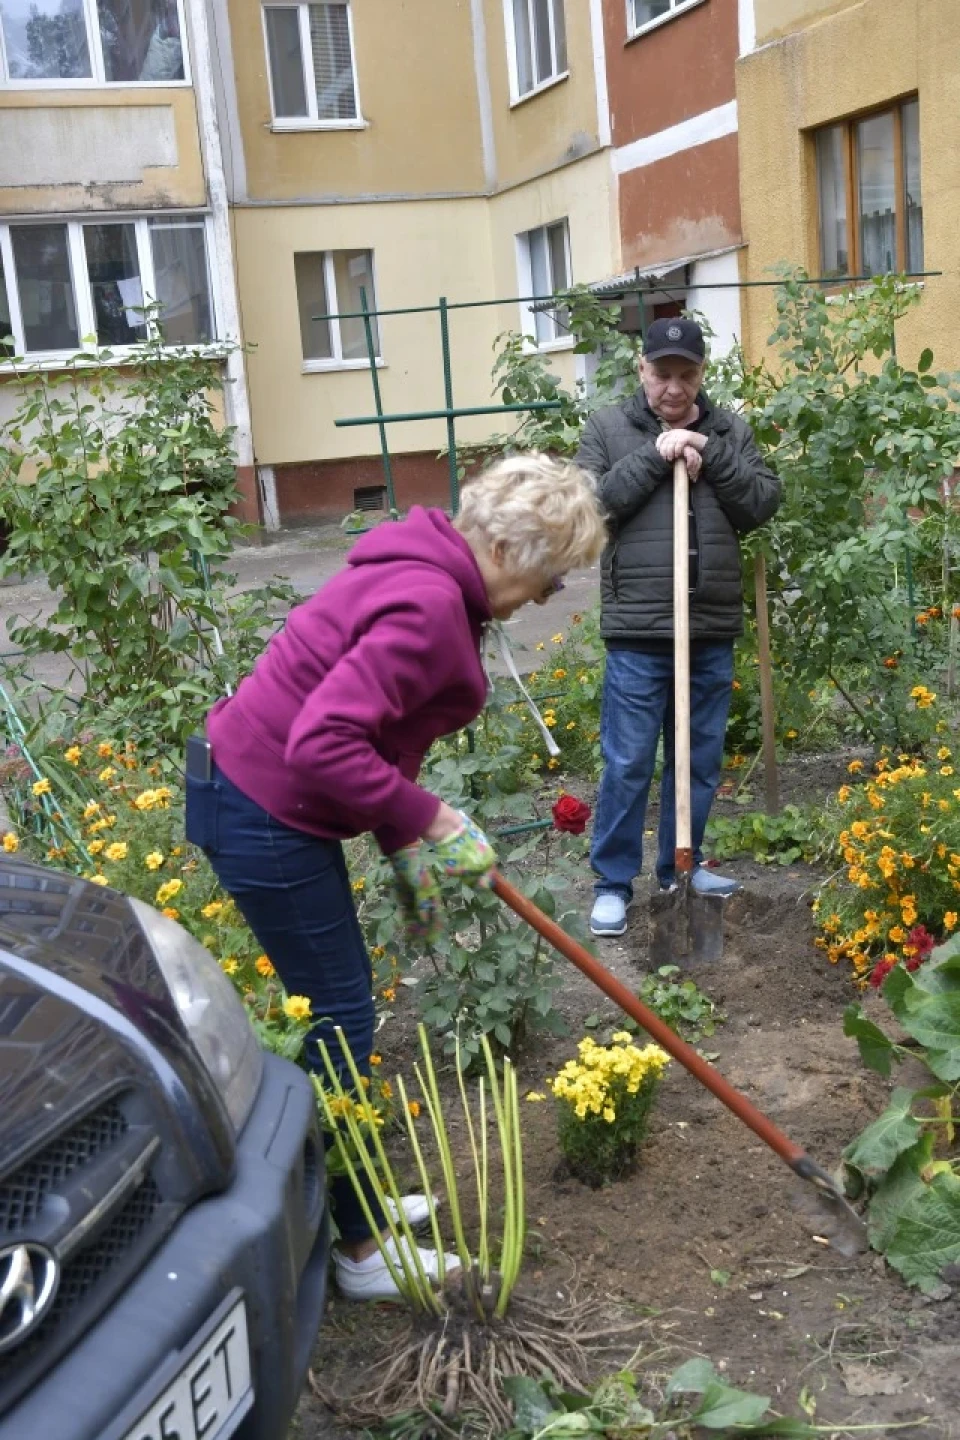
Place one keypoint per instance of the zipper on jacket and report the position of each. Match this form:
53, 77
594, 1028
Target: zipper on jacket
615, 569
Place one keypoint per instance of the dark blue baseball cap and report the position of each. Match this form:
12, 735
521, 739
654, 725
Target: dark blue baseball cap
675, 337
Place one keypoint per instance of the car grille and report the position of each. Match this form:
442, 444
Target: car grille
102, 1264
22, 1195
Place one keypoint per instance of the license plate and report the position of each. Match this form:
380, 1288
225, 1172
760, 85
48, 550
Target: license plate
208, 1397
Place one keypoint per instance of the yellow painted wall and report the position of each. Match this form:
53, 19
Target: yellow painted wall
782, 17
864, 56
554, 126
417, 91
159, 187
462, 248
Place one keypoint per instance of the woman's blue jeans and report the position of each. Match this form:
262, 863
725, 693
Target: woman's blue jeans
294, 892
637, 708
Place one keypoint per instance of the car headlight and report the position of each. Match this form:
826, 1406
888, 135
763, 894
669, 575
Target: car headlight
210, 1008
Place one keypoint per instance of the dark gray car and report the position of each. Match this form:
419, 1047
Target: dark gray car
164, 1236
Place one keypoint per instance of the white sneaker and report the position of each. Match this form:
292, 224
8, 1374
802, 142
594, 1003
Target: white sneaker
711, 882
609, 914
416, 1209
370, 1279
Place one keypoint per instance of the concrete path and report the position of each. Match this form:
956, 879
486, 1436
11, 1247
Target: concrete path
306, 557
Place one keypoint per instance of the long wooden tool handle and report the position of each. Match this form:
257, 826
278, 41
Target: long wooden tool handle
681, 663
743, 1108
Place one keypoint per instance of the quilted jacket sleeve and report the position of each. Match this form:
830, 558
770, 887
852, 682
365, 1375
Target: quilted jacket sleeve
626, 486
747, 489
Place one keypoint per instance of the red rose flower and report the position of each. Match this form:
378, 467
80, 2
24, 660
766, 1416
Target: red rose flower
880, 972
571, 815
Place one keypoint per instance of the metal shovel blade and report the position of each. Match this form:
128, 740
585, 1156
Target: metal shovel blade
686, 929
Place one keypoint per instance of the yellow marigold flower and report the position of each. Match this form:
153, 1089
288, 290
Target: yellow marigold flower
10, 842
386, 1089
297, 1007
414, 1107
859, 828
264, 966
534, 1096
943, 753
209, 912
98, 879
378, 951
609, 1114
90, 810
116, 851
154, 860
943, 804
106, 774
230, 966
549, 719
560, 674
105, 751
539, 645
557, 639
359, 885
170, 912
843, 794
167, 891
946, 769
41, 787
790, 735
950, 920
571, 724
95, 846
553, 763
389, 994
376, 1059
72, 756
177, 850
855, 767
534, 759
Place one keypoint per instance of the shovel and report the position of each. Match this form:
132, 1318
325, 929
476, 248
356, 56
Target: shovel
684, 925
835, 1218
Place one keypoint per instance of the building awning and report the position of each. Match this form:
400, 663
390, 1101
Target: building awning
645, 277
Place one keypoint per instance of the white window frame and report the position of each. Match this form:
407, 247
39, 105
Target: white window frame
337, 361
82, 292
518, 97
97, 79
528, 315
312, 120
677, 8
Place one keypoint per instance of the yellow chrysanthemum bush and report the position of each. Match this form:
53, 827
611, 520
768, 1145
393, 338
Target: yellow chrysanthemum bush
116, 818
604, 1099
897, 892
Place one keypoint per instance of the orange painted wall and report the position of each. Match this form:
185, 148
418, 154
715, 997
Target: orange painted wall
687, 204
676, 70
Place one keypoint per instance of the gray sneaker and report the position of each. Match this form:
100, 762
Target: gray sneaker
609, 915
709, 882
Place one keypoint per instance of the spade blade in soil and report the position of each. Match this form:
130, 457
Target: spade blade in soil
686, 929
827, 1210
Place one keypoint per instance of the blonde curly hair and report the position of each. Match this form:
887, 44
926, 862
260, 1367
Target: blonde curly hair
542, 513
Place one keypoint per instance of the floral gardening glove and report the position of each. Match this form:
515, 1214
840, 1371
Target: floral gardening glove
467, 853
419, 893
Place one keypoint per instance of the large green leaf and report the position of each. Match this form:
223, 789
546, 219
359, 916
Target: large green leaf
722, 1406
692, 1377
899, 1187
532, 1406
927, 1235
873, 1152
934, 1020
876, 1050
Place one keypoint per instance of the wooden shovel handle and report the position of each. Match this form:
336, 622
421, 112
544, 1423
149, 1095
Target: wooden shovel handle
681, 664
699, 1068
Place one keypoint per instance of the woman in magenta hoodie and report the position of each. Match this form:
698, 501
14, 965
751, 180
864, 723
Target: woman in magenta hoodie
325, 739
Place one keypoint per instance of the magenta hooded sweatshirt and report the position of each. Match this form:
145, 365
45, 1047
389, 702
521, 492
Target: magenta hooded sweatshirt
329, 731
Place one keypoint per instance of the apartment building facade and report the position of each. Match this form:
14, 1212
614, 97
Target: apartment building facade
850, 130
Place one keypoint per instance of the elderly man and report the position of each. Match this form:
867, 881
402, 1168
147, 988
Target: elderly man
630, 449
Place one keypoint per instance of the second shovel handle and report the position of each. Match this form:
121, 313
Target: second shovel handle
681, 662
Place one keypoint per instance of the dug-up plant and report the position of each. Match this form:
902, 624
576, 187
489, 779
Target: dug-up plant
604, 1099
905, 1166
898, 892
780, 839
471, 1329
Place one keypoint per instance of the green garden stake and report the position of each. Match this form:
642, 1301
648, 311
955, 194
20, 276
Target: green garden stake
448, 398
378, 403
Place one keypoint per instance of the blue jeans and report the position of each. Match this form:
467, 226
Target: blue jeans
637, 708
294, 892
